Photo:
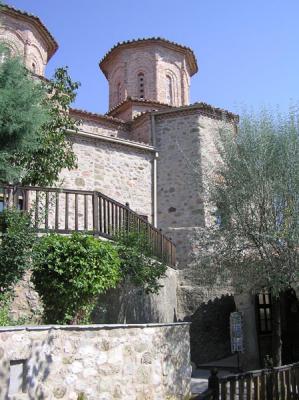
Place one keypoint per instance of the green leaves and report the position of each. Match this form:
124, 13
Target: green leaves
23, 112
35, 125
43, 165
257, 195
137, 262
16, 244
70, 272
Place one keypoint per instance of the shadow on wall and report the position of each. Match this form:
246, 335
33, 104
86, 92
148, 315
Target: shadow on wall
210, 332
126, 304
24, 367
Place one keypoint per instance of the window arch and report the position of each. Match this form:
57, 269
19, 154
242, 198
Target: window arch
141, 85
169, 89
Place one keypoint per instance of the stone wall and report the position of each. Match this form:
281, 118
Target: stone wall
141, 129
101, 125
119, 170
131, 305
187, 156
134, 362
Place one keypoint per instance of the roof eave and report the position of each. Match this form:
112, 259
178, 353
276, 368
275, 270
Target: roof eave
188, 51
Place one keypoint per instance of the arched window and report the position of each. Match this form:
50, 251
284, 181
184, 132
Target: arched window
5, 53
169, 90
141, 85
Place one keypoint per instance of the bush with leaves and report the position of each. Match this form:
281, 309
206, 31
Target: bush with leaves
70, 272
138, 265
16, 247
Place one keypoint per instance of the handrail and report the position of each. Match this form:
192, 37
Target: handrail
258, 372
68, 210
265, 384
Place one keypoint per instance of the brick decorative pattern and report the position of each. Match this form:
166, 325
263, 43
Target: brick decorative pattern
156, 63
24, 38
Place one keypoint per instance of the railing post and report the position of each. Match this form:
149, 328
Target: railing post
95, 214
127, 224
213, 383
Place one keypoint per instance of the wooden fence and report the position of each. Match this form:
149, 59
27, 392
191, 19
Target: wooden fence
65, 211
279, 383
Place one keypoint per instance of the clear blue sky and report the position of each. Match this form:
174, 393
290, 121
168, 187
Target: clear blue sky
247, 50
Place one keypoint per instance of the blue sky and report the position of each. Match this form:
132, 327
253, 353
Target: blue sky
247, 50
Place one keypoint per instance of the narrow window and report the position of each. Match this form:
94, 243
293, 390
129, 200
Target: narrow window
119, 97
169, 90
33, 66
141, 85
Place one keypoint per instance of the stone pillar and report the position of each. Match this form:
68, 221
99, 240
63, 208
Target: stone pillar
246, 304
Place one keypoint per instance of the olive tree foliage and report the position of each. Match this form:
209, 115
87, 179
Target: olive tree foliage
35, 124
256, 192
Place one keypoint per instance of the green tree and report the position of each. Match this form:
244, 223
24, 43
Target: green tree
35, 124
256, 191
42, 165
22, 115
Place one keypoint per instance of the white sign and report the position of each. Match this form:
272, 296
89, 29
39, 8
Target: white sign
236, 332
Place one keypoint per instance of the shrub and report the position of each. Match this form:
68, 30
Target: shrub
69, 272
16, 247
138, 265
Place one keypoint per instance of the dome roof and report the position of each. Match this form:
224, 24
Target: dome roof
154, 40
52, 44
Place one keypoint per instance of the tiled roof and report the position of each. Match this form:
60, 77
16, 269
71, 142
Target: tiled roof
207, 109
204, 108
129, 43
51, 40
89, 114
130, 99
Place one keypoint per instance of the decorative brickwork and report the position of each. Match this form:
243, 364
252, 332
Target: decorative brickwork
26, 36
152, 69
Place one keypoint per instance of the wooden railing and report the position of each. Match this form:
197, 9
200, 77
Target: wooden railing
66, 211
278, 383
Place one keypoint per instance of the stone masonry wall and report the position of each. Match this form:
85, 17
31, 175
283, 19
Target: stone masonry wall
129, 362
102, 128
132, 305
119, 171
187, 156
